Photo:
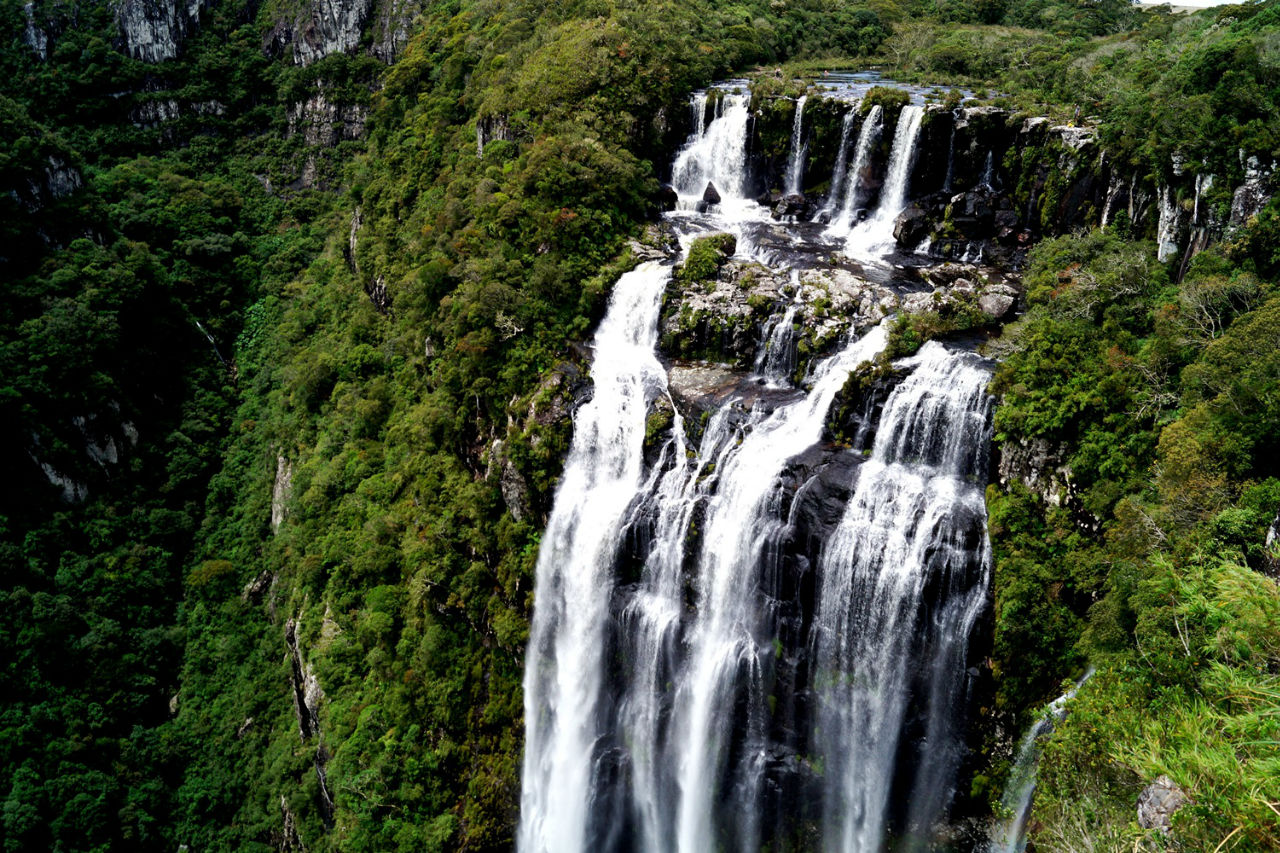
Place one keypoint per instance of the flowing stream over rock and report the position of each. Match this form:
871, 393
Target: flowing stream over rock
1010, 836
748, 635
795, 162
874, 237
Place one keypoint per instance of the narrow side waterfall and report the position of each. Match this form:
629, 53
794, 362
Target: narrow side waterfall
776, 357
903, 579
838, 173
868, 137
874, 238
795, 162
989, 171
564, 672
1010, 836
1169, 225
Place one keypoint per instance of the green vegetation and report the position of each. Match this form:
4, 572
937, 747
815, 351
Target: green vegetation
705, 257
1149, 405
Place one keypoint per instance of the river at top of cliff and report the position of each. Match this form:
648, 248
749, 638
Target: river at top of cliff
723, 185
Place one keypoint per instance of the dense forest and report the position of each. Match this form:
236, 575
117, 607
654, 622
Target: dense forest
295, 302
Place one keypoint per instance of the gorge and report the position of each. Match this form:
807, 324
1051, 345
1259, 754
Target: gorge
465, 426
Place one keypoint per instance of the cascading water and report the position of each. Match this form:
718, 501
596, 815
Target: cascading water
904, 577
564, 674
872, 126
795, 162
776, 357
716, 154
719, 660
727, 651
840, 170
874, 238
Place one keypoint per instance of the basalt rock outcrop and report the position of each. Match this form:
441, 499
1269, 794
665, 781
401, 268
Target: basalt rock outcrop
986, 182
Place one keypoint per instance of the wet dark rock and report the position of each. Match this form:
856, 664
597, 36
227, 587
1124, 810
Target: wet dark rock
711, 195
856, 409
827, 478
911, 226
666, 198
793, 205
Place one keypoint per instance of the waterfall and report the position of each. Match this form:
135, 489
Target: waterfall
874, 238
872, 126
903, 579
989, 171
1113, 189
1010, 836
716, 153
1169, 225
602, 475
745, 635
698, 103
726, 646
776, 356
795, 163
841, 167
1204, 183
951, 160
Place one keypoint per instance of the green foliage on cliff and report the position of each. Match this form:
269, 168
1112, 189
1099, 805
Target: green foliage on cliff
1144, 410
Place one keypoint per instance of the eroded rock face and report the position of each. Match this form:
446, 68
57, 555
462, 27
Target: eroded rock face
1252, 195
153, 30
323, 123
1158, 802
1039, 466
61, 179
325, 27
333, 26
281, 492
33, 35
721, 318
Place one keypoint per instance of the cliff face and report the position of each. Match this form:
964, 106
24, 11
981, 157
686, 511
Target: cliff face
153, 30
986, 183
322, 28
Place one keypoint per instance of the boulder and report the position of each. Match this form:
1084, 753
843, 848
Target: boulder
793, 204
666, 198
911, 226
711, 195
1157, 803
995, 305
